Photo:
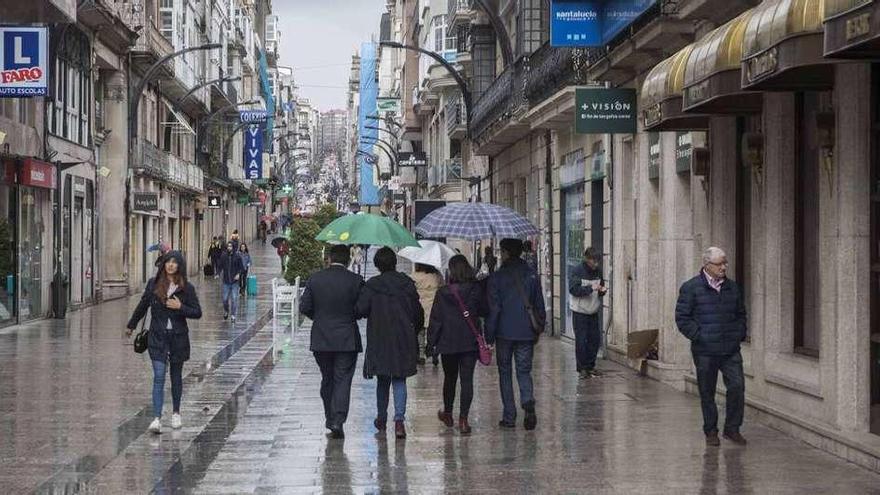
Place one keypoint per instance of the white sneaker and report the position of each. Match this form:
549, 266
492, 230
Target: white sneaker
156, 426
233, 318
176, 422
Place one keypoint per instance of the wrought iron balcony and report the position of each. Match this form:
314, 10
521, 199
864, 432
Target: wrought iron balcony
153, 161
460, 12
456, 120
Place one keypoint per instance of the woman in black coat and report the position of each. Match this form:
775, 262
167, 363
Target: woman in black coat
450, 335
390, 302
171, 300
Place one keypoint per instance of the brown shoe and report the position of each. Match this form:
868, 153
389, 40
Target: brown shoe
379, 424
399, 429
445, 418
712, 439
736, 438
463, 426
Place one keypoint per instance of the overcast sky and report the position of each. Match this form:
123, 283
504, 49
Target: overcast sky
318, 38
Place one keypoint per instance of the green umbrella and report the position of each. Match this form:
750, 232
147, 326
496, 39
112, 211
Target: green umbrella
367, 229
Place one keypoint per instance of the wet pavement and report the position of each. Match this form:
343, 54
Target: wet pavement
74, 396
74, 407
616, 434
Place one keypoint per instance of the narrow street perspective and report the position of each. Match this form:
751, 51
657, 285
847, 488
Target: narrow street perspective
440, 246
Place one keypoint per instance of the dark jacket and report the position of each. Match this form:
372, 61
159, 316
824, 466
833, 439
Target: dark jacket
508, 317
231, 265
394, 315
448, 331
163, 343
330, 301
715, 322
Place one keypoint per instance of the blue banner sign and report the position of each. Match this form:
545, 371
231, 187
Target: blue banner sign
253, 116
24, 66
253, 152
585, 23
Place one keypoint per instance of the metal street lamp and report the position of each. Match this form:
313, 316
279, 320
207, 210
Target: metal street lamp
200, 86
462, 85
134, 97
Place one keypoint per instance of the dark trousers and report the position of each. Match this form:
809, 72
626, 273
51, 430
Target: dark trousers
455, 366
337, 371
522, 351
242, 282
731, 369
587, 339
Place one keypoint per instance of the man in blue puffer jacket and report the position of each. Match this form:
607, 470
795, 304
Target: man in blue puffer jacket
711, 313
516, 318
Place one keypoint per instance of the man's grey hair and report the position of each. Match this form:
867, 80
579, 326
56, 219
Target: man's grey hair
712, 253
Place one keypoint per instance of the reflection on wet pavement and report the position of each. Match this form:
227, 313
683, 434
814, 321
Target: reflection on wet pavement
616, 434
73, 395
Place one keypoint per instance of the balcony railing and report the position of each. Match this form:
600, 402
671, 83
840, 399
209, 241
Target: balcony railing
459, 8
447, 172
150, 39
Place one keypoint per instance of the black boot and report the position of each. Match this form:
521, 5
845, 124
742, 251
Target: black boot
531, 419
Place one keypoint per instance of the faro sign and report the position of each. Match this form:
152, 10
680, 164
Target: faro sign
23, 61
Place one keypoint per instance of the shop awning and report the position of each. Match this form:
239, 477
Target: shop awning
712, 77
661, 97
783, 47
181, 120
852, 29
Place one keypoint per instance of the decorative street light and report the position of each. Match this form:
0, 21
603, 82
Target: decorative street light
208, 83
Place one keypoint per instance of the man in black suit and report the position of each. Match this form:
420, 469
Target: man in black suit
329, 301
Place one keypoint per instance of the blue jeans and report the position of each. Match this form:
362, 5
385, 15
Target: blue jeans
399, 385
230, 298
731, 368
522, 351
587, 338
159, 368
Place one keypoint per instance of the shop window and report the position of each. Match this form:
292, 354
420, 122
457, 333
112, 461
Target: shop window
744, 180
807, 292
69, 111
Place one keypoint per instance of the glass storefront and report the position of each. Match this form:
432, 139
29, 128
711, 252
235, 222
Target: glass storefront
8, 206
573, 215
32, 250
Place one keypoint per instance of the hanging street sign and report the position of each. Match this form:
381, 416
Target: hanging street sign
146, 202
412, 159
24, 54
253, 152
394, 183
214, 202
605, 111
253, 116
388, 105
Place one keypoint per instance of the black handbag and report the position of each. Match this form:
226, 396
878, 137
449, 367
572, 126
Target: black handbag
142, 339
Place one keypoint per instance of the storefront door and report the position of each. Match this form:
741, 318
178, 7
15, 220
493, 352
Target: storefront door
30, 254
572, 221
875, 254
8, 241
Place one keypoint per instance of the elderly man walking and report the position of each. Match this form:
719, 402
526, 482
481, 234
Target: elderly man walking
711, 313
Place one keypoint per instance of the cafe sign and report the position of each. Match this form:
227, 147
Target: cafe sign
683, 151
653, 155
146, 201
605, 111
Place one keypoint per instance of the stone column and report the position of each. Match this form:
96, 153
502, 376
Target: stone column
114, 156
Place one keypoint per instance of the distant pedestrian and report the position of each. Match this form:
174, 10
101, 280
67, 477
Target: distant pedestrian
282, 250
428, 280
171, 300
232, 268
390, 302
586, 288
330, 301
530, 256
452, 337
215, 250
516, 320
711, 313
246, 261
489, 263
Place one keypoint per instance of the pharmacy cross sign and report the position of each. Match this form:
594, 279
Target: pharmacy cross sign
605, 111
253, 152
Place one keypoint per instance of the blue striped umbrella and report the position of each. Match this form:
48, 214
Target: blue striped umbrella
474, 221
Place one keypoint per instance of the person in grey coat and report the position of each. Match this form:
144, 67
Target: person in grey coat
330, 301
711, 313
586, 288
